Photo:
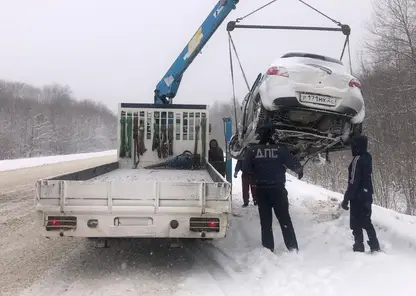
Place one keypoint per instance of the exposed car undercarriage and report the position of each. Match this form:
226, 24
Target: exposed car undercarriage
306, 132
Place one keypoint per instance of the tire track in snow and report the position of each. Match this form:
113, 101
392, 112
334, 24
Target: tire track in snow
126, 267
205, 255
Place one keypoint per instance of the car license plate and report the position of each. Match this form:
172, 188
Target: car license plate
318, 100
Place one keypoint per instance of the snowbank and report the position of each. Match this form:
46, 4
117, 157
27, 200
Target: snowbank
13, 164
325, 264
404, 226
239, 266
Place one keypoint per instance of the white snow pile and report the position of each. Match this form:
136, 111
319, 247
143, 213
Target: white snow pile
325, 264
13, 164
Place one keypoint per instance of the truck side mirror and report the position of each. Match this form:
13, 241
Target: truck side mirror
209, 128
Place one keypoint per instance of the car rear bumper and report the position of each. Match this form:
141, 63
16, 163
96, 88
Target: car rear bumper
293, 103
283, 93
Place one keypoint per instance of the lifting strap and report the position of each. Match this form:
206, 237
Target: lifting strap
231, 47
254, 11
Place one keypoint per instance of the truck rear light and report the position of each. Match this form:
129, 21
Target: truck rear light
202, 224
58, 223
277, 71
354, 83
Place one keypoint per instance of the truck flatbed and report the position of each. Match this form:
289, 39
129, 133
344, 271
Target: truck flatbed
150, 200
152, 175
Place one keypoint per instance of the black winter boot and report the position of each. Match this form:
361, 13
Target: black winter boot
374, 246
358, 247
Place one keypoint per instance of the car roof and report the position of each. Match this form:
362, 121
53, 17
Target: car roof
312, 56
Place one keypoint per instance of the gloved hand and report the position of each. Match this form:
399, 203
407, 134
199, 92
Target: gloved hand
344, 205
235, 174
300, 175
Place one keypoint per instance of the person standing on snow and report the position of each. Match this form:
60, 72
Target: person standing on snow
246, 183
267, 162
216, 157
360, 195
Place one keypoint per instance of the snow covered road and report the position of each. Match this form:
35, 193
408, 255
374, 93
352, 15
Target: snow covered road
24, 255
237, 265
14, 164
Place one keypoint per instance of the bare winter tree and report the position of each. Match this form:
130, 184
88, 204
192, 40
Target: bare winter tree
388, 75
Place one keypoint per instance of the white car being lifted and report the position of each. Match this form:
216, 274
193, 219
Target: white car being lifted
157, 188
314, 104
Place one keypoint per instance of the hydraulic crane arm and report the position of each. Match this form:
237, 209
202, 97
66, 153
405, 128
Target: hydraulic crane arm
167, 88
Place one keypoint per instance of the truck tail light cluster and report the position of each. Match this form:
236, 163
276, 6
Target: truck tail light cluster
202, 224
58, 223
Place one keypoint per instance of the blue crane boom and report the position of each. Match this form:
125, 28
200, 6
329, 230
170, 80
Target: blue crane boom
167, 88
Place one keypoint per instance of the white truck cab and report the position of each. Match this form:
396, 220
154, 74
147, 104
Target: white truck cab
162, 185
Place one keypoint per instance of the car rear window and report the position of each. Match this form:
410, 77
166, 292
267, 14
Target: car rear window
311, 56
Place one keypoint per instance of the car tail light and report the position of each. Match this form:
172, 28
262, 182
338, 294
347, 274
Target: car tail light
277, 71
200, 224
354, 83
57, 223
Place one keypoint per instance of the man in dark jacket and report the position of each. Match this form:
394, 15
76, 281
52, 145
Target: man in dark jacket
360, 195
216, 157
246, 184
268, 162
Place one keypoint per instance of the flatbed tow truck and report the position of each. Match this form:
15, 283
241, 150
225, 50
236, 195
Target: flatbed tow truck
162, 185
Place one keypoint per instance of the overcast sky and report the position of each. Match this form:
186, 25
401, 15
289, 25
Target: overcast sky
117, 51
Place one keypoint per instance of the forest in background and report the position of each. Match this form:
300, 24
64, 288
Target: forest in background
388, 76
50, 121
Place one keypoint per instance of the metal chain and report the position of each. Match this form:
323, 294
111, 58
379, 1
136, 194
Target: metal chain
349, 54
239, 62
253, 12
321, 13
343, 48
232, 80
301, 1
347, 46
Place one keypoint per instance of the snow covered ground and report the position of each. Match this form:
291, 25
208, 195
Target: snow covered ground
13, 164
238, 265
325, 264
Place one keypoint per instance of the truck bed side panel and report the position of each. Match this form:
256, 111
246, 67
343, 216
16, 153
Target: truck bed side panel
88, 173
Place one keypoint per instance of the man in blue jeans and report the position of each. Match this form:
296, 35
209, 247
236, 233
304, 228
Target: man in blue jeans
360, 195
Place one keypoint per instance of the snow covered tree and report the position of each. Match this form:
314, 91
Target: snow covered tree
50, 121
